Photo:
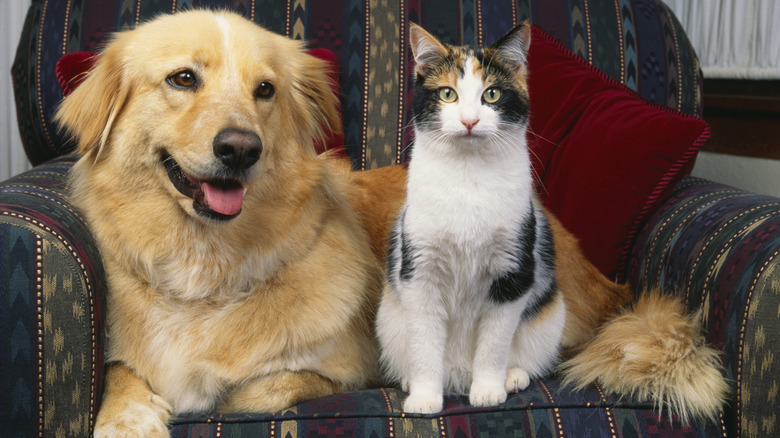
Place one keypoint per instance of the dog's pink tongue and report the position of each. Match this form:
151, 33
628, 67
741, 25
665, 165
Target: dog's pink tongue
224, 201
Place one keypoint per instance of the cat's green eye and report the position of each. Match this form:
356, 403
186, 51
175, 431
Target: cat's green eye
491, 95
447, 95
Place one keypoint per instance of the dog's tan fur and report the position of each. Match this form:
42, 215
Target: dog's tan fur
655, 351
276, 305
252, 314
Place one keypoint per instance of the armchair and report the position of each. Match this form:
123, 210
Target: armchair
716, 246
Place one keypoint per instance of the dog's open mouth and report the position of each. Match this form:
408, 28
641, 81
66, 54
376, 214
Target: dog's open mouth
215, 199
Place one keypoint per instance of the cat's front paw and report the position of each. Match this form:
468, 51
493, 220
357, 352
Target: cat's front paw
486, 394
420, 402
517, 380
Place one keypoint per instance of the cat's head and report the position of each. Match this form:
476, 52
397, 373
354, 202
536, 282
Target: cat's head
470, 94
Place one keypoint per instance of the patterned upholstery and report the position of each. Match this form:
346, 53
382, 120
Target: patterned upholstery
719, 248
542, 410
52, 285
639, 43
715, 244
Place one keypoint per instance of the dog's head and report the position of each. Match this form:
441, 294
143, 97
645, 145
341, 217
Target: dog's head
198, 106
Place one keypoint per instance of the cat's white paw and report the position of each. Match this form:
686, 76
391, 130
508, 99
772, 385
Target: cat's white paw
405, 385
486, 394
516, 380
421, 402
141, 420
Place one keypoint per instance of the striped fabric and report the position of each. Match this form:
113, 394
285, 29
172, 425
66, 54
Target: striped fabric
541, 410
719, 248
639, 43
51, 308
716, 245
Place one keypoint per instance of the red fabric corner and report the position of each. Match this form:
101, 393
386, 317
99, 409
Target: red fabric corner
606, 158
72, 68
334, 143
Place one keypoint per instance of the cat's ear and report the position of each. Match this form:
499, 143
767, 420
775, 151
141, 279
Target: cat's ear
513, 47
425, 48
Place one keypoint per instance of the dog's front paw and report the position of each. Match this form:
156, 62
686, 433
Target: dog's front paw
486, 394
136, 420
424, 402
517, 380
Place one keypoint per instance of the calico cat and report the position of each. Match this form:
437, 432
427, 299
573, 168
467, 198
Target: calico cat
470, 304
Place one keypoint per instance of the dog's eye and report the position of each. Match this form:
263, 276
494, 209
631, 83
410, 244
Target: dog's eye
265, 90
183, 79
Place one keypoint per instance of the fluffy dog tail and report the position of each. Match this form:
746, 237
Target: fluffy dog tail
653, 350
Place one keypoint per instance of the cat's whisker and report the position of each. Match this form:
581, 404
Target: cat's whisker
530, 131
508, 146
410, 145
535, 157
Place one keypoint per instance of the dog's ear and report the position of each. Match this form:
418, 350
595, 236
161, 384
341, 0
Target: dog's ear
313, 83
89, 112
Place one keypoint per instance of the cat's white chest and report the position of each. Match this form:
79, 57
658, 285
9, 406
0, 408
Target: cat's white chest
463, 216
470, 201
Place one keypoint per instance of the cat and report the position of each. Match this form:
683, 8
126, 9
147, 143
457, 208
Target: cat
470, 304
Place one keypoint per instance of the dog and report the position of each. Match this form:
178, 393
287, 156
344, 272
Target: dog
243, 269
240, 277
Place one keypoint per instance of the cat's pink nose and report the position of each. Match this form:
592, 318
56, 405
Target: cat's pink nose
469, 124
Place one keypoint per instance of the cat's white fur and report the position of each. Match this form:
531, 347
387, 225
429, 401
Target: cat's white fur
468, 194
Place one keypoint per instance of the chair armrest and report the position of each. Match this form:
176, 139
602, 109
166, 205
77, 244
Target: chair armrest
52, 286
718, 247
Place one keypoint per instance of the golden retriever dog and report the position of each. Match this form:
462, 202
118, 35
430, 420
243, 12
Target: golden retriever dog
243, 270
240, 278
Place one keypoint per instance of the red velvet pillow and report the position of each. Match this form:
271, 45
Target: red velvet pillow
606, 157
72, 68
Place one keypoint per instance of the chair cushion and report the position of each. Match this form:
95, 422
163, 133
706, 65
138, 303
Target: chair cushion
544, 409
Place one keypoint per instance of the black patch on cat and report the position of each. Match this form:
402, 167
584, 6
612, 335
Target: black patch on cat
545, 247
512, 104
392, 258
425, 103
407, 258
514, 284
399, 239
425, 100
539, 301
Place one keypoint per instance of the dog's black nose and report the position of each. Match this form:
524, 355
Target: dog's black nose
237, 149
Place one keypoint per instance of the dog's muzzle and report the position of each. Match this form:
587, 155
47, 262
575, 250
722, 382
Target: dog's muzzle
219, 198
237, 149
